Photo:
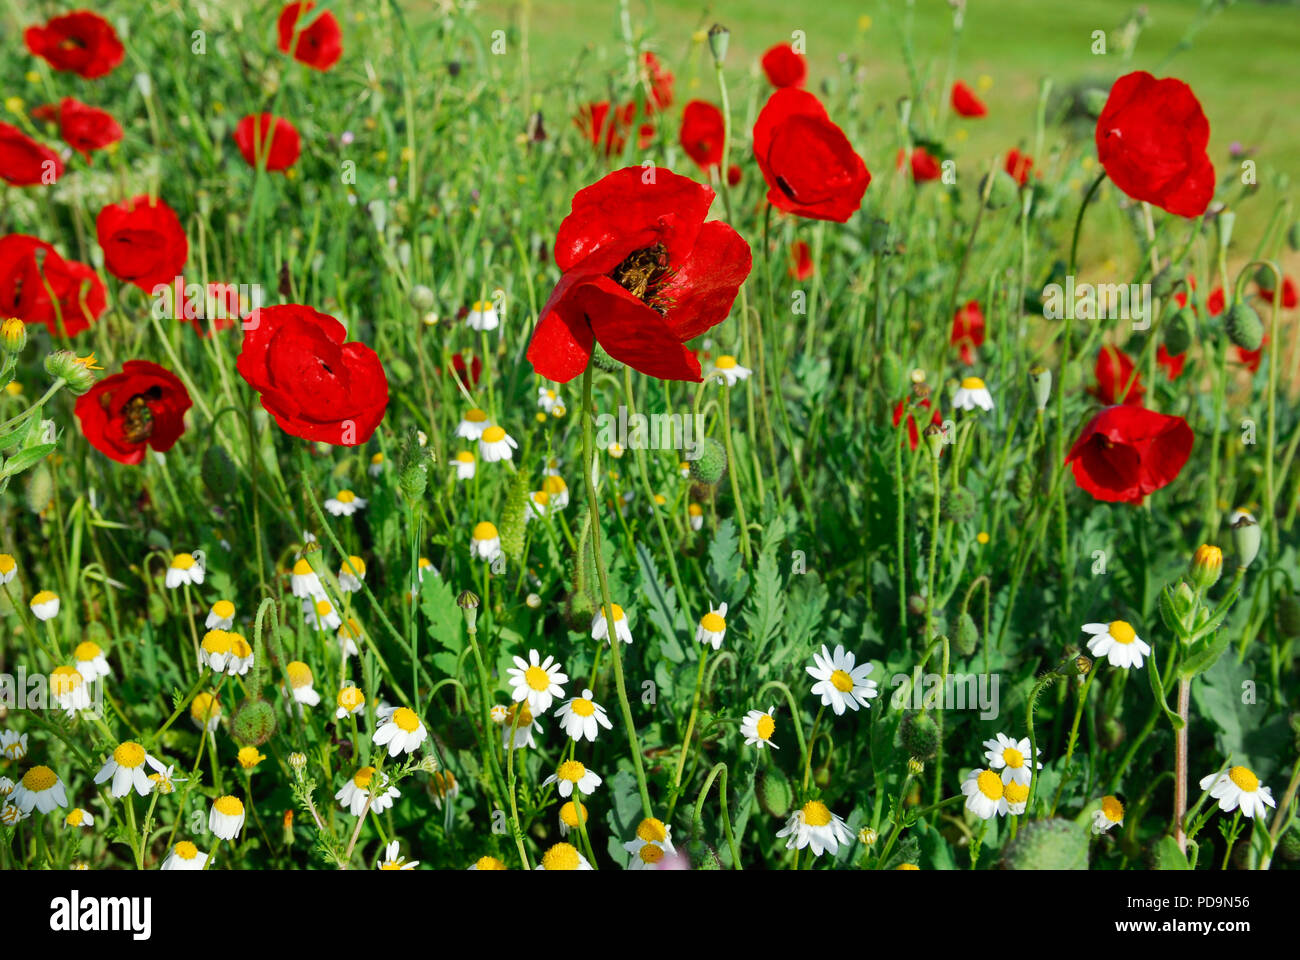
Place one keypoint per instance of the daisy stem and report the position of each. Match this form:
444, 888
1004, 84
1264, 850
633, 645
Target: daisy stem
1231, 839
1045, 681
794, 714
136, 850
719, 772
807, 754
510, 786
1283, 816
690, 728
579, 812
1074, 734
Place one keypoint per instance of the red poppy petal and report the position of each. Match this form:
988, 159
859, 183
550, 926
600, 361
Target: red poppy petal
634, 334
703, 288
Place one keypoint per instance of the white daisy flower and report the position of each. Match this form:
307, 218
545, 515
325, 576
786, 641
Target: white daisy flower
355, 794
726, 368
165, 780
241, 656
205, 711
402, 732
125, 766
348, 635
320, 614
757, 728
78, 817
1117, 642
985, 794
68, 687
1239, 787
537, 506
814, 825
216, 649
524, 728
616, 450
376, 465
184, 856
1017, 796
971, 394
345, 503
572, 775
227, 817
304, 581
570, 811
713, 627
552, 468
600, 630
185, 568
301, 683
11, 815
547, 399
473, 424
1109, 814
350, 699
351, 573
485, 542
582, 717
696, 514
45, 605
483, 316
563, 856
536, 681
221, 616
653, 840
90, 661
495, 444
13, 746
391, 861
464, 465
840, 683
556, 490
1011, 757
39, 787
8, 568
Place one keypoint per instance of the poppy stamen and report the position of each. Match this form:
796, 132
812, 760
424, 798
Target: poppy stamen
137, 418
643, 274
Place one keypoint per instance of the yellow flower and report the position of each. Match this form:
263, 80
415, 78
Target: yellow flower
249, 757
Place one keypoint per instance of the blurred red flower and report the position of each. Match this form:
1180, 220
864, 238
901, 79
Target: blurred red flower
1252, 358
1019, 165
1173, 363
319, 44
801, 261
31, 270
924, 166
251, 136
1127, 452
784, 67
83, 127
143, 406
968, 330
143, 242
965, 102
702, 134
660, 79
24, 162
1113, 370
1288, 293
82, 42
913, 435
809, 165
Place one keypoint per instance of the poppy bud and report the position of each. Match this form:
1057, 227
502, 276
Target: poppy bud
1293, 237
891, 373
577, 611
603, 360
1178, 331
1264, 279
1112, 732
75, 371
1244, 327
718, 37
775, 795
1040, 381
13, 335
1288, 615
959, 505
1245, 539
967, 636
253, 723
1288, 846
40, 489
711, 464
1048, 845
421, 297
920, 735
1207, 566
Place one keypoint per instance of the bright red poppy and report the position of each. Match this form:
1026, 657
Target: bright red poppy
1151, 138
1127, 452
39, 286
784, 67
809, 165
703, 132
141, 407
801, 261
1172, 363
252, 135
1114, 370
317, 386
660, 80
643, 273
320, 42
968, 330
84, 128
24, 162
83, 43
965, 102
143, 242
1288, 293
1018, 165
924, 166
913, 435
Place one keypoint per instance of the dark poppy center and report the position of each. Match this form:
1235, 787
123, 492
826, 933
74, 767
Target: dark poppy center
643, 274
137, 417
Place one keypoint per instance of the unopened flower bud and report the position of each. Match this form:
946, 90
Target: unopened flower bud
1244, 327
934, 440
718, 38
1077, 666
13, 335
867, 837
1040, 381
298, 761
1207, 566
915, 767
1245, 538
75, 371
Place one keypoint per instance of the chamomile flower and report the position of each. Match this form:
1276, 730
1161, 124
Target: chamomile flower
125, 766
205, 711
221, 616
600, 630
616, 450
351, 573
68, 687
985, 794
653, 840
495, 444
537, 506
971, 394
350, 699
499, 712
813, 825
1109, 814
249, 757
376, 465
165, 780
582, 717
11, 814
572, 775
90, 661
185, 569
556, 490
547, 399
442, 786
347, 637
1118, 642
563, 856
487, 863
13, 746
552, 468
39, 787
464, 465
1011, 757
1017, 795
391, 861
45, 605
320, 614
570, 811
8, 568
840, 683
345, 503
215, 650
482, 316
696, 514
356, 793
226, 818
536, 681
304, 581
241, 656
524, 728
184, 856
713, 627
472, 425
1239, 787
726, 368
485, 542
78, 817
402, 732
301, 683
757, 728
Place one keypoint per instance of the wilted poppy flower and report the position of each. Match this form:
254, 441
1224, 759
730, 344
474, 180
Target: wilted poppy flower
1114, 370
24, 162
83, 127
784, 67
143, 406
968, 330
924, 166
1288, 293
39, 286
913, 436
801, 261
83, 42
703, 131
1151, 138
809, 165
1126, 452
143, 242
643, 273
320, 42
1018, 165
252, 134
965, 102
315, 385
1172, 363
660, 80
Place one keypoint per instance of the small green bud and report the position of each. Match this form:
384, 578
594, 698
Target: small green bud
959, 505
1287, 613
718, 38
253, 722
920, 735
75, 371
421, 297
1040, 381
40, 488
1245, 538
1178, 331
1225, 221
711, 464
13, 335
967, 636
603, 360
1244, 327
1002, 192
1048, 845
775, 794
1293, 237
1162, 284
218, 471
1207, 566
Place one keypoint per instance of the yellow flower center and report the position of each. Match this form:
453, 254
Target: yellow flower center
494, 434
363, 777
569, 813
537, 678
1244, 778
465, 457
186, 850
7, 563
713, 623
302, 568
228, 806
323, 608
354, 566
129, 754
618, 611
562, 856
225, 609
406, 719
345, 496
45, 596
1016, 792
299, 674
204, 707
649, 853
489, 863
554, 485
482, 306
816, 813
86, 651
350, 698
217, 641
74, 818
695, 510
183, 561
1112, 808
541, 498
972, 383
582, 707
726, 362
571, 770
64, 680
990, 785
485, 531
842, 681
476, 416
239, 647
1121, 632
1014, 758
765, 727
39, 778
377, 458
652, 831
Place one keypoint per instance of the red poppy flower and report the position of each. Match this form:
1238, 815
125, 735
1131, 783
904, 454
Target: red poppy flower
252, 134
968, 330
965, 102
1019, 165
1252, 358
784, 67
606, 127
1127, 452
801, 261
1114, 370
24, 162
82, 42
218, 307
319, 44
810, 167
467, 374
84, 128
143, 406
1214, 303
315, 385
39, 286
661, 83
733, 175
643, 273
913, 435
143, 243
1288, 294
1151, 138
702, 134
1172, 363
924, 166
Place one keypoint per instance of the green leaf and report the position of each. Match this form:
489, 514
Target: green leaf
26, 458
446, 621
662, 606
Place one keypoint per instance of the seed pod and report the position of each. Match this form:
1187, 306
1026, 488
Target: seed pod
920, 735
711, 464
40, 488
967, 636
775, 795
253, 722
1178, 331
1244, 327
1048, 845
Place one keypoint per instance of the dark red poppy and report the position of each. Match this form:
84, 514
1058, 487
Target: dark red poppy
82, 42
1127, 452
1114, 370
1019, 166
965, 102
643, 273
968, 330
1252, 358
733, 175
660, 80
143, 242
39, 286
924, 166
809, 165
1172, 363
801, 261
320, 42
24, 162
317, 386
703, 131
143, 406
252, 134
84, 128
1151, 138
784, 67
1288, 293
913, 435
